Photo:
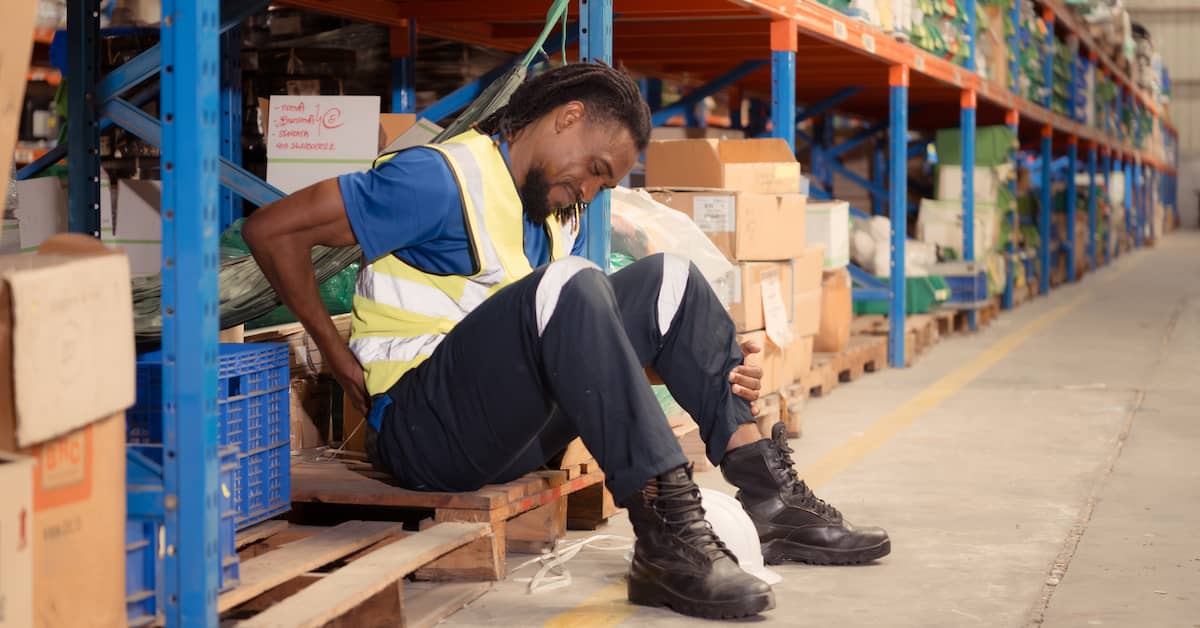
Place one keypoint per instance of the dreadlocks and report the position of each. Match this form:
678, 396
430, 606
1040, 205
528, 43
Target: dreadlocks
608, 93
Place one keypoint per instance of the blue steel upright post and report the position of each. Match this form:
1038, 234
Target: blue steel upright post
1069, 236
189, 113
967, 131
1130, 217
1091, 204
403, 47
897, 206
1107, 166
231, 118
783, 81
595, 46
83, 126
1011, 118
1044, 210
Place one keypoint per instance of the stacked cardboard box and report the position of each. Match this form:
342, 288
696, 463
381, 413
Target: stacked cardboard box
67, 362
744, 195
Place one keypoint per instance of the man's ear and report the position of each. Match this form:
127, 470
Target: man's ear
569, 114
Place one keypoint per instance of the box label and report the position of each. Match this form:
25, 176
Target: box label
714, 214
736, 297
774, 310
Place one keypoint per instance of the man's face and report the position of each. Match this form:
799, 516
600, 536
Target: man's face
574, 156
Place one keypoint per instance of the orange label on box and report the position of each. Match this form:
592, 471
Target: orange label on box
63, 473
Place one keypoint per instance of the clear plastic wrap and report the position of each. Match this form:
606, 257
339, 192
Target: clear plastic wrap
641, 226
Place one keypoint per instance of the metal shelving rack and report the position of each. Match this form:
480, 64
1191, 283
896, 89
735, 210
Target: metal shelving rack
794, 51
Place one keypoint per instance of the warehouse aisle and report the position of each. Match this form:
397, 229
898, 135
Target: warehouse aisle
1063, 435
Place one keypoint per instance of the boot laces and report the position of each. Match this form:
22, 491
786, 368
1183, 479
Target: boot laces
680, 508
783, 464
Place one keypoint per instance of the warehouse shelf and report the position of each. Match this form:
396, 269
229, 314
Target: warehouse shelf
803, 58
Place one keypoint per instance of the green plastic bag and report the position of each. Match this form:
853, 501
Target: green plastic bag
337, 293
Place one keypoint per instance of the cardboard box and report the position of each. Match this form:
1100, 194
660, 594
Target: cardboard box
776, 372
806, 313
78, 531
137, 227
808, 268
746, 227
67, 327
311, 407
16, 37
770, 412
695, 133
747, 306
800, 356
837, 309
828, 225
41, 210
16, 545
765, 166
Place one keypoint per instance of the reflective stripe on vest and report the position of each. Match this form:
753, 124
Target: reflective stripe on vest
401, 314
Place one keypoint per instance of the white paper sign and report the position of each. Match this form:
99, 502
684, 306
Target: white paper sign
714, 214
774, 311
313, 138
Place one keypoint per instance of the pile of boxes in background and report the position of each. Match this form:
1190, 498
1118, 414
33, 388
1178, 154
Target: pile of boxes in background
67, 356
791, 290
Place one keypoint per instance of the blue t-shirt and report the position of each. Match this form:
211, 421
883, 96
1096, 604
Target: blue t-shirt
410, 206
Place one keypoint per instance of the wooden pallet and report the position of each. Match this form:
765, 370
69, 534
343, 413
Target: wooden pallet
350, 574
956, 321
920, 332
527, 514
864, 354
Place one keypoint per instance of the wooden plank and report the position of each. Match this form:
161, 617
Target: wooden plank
482, 559
430, 604
539, 529
261, 573
259, 532
589, 508
343, 590
332, 483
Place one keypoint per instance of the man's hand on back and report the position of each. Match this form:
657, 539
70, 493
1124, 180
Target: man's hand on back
349, 374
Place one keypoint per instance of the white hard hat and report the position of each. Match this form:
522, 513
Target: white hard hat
731, 523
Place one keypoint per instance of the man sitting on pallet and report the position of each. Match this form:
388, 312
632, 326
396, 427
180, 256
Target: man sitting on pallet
482, 345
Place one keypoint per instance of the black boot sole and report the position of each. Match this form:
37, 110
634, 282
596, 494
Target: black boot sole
780, 551
648, 594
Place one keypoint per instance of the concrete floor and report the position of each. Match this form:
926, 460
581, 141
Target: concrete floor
1041, 472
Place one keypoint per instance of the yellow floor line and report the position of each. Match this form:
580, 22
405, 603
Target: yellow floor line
609, 607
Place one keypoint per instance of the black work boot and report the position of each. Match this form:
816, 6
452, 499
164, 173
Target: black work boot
793, 524
679, 562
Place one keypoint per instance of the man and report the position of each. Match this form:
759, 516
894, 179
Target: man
482, 345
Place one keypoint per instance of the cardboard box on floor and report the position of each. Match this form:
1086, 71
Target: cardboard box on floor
777, 371
747, 306
745, 226
765, 166
66, 376
837, 309
16, 547
16, 46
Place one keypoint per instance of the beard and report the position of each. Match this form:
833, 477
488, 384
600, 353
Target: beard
535, 199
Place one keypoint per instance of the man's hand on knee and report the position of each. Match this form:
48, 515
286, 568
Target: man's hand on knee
747, 380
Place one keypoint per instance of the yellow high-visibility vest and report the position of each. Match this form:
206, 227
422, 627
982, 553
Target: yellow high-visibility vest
401, 314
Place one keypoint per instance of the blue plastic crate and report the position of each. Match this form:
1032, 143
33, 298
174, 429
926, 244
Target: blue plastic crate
967, 282
264, 484
142, 571
253, 381
144, 541
227, 526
